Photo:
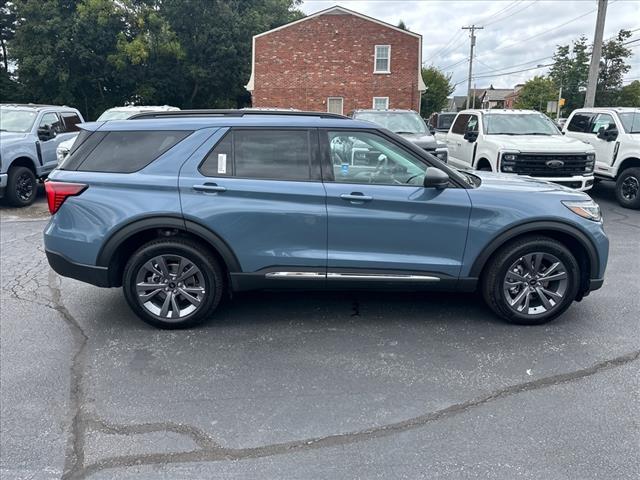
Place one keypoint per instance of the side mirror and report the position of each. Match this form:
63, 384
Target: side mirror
435, 178
470, 136
46, 133
608, 134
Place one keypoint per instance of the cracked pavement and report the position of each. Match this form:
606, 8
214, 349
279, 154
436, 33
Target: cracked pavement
320, 385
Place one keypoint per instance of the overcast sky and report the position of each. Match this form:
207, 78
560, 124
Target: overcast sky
518, 34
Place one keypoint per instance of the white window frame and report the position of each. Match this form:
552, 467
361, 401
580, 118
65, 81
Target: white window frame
341, 104
386, 99
375, 59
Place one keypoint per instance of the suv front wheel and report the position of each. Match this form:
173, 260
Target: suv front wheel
173, 283
531, 280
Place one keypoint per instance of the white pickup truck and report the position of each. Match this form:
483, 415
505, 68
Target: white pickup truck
524, 142
614, 133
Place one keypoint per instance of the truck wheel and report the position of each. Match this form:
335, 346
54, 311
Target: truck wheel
628, 188
173, 283
21, 187
531, 281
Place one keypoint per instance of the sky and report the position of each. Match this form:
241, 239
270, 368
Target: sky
517, 34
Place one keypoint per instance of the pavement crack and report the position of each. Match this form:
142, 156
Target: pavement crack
74, 452
214, 452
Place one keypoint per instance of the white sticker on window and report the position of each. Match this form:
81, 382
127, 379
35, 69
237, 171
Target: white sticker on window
222, 163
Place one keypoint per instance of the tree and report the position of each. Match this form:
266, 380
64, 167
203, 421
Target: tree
613, 66
7, 29
536, 93
629, 95
439, 87
570, 70
402, 25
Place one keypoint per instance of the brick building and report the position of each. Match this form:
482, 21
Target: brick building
336, 60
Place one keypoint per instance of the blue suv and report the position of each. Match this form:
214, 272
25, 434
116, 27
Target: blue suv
181, 208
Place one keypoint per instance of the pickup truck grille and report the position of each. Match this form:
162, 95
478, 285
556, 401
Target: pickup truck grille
548, 164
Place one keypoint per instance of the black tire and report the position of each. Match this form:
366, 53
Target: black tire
495, 274
628, 188
211, 278
22, 187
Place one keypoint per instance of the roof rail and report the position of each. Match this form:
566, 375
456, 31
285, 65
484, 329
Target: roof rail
232, 113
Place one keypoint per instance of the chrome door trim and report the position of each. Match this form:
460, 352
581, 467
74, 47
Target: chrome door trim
384, 276
351, 276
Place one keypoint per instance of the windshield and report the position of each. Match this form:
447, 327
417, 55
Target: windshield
630, 121
445, 120
398, 122
519, 124
19, 121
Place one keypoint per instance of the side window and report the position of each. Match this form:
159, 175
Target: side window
580, 122
382, 60
380, 103
460, 124
127, 152
603, 120
364, 157
472, 124
264, 154
50, 120
71, 121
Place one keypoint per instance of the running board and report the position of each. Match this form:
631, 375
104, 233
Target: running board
351, 276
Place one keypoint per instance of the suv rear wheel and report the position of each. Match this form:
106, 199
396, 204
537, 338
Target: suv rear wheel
531, 281
22, 187
628, 188
173, 283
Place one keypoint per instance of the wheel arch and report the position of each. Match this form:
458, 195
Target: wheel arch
628, 162
23, 161
570, 236
117, 249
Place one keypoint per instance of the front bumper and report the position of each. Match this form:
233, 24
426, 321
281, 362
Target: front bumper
92, 274
577, 182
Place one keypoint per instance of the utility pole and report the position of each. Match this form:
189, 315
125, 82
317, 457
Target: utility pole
559, 100
594, 66
472, 35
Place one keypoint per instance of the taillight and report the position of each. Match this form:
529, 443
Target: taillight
57, 193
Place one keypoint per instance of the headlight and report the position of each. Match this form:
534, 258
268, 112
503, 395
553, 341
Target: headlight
590, 163
61, 154
585, 208
508, 162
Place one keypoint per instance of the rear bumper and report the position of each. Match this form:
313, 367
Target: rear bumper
92, 274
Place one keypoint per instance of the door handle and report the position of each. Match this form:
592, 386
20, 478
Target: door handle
356, 197
209, 188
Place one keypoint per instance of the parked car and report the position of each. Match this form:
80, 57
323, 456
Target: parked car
408, 124
264, 201
116, 113
524, 142
614, 133
440, 123
29, 135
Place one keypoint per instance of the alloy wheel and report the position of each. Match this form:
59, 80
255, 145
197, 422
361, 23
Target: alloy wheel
170, 287
535, 283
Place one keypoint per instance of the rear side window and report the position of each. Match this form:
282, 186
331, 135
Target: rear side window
264, 154
125, 152
71, 121
580, 123
460, 125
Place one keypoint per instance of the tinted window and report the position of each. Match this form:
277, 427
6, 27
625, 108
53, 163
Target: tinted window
460, 125
603, 120
126, 152
71, 121
580, 122
50, 120
219, 162
83, 146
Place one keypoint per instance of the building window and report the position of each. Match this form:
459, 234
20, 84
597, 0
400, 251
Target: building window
335, 105
382, 59
380, 103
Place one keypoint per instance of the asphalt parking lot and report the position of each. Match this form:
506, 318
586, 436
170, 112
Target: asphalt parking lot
314, 386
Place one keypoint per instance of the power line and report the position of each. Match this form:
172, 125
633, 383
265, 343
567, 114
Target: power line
515, 71
512, 13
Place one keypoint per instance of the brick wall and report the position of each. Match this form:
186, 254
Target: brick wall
332, 55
